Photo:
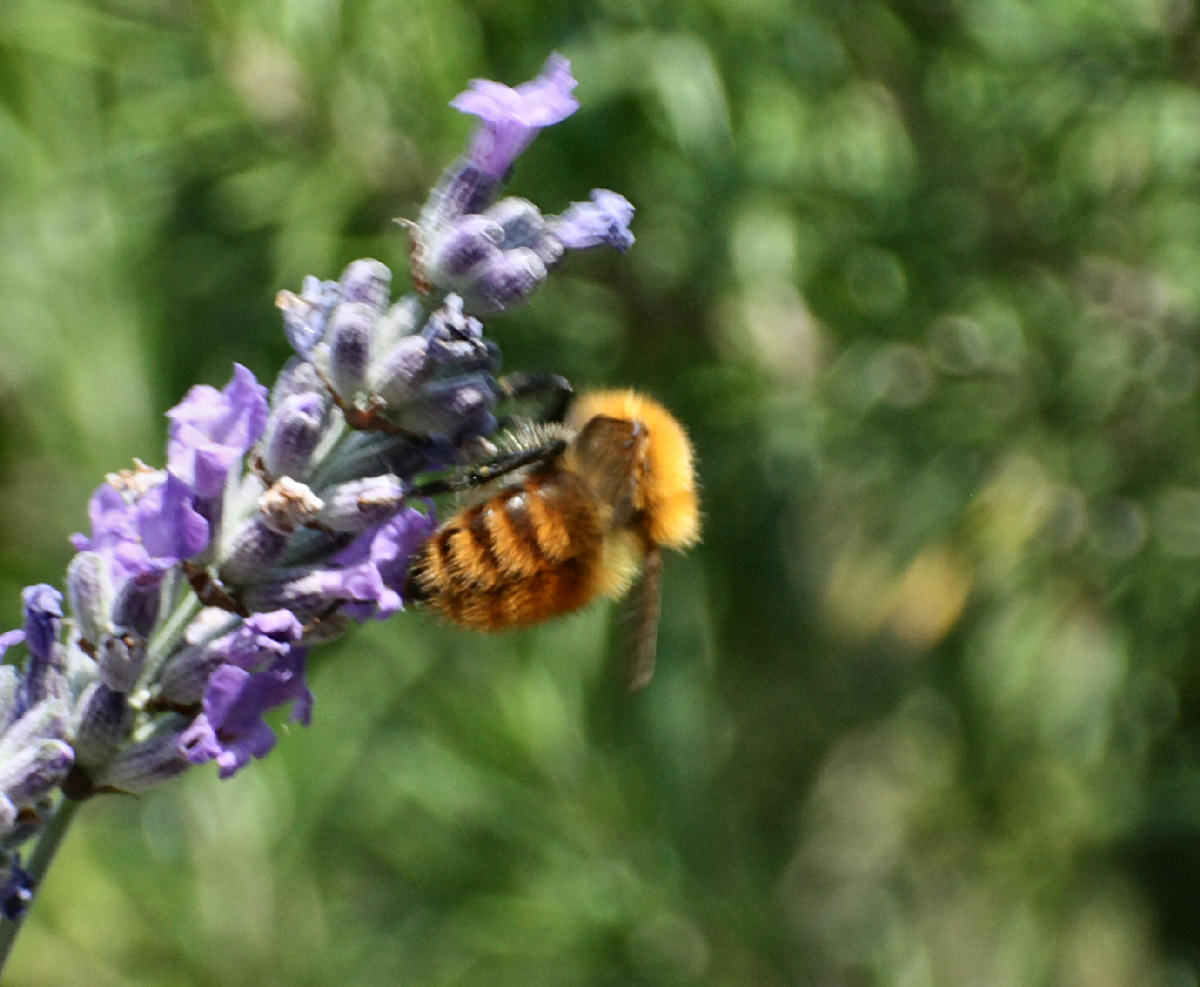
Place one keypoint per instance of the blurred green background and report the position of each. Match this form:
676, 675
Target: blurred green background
922, 277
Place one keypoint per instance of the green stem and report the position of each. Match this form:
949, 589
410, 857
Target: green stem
169, 635
43, 853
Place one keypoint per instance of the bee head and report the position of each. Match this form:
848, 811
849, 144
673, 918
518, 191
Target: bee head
637, 457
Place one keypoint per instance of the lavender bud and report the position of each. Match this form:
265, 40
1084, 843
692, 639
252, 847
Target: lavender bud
120, 658
454, 408
209, 623
182, 678
45, 677
185, 675
521, 221
32, 772
312, 593
404, 369
363, 503
350, 331
293, 433
463, 246
466, 354
255, 548
367, 281
306, 594
147, 763
43, 618
89, 591
462, 188
137, 605
45, 721
102, 720
304, 315
298, 376
506, 282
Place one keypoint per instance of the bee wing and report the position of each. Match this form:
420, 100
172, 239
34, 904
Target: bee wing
608, 453
638, 626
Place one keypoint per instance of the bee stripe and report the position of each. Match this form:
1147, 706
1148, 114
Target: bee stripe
434, 569
547, 510
513, 539
486, 569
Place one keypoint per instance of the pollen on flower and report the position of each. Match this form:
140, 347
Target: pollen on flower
288, 504
137, 481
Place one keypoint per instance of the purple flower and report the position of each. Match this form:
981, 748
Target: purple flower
316, 593
295, 428
363, 503
386, 550
464, 244
262, 636
43, 618
605, 219
508, 280
305, 315
231, 730
145, 536
114, 532
211, 430
258, 640
366, 280
511, 118
34, 758
169, 528
362, 582
45, 674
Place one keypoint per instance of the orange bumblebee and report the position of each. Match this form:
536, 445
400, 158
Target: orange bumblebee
595, 501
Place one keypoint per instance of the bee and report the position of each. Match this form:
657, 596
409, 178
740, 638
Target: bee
584, 510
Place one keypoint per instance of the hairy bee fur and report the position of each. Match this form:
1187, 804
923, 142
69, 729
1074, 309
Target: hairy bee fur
615, 485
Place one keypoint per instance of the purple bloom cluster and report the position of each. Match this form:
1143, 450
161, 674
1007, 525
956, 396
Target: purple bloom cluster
281, 517
496, 254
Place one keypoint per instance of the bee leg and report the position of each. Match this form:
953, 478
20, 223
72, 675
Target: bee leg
491, 470
556, 391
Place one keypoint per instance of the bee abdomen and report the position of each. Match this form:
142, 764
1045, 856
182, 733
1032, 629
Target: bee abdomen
548, 593
529, 553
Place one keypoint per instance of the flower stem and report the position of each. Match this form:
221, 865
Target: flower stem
43, 853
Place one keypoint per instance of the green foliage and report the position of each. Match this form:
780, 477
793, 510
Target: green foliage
924, 281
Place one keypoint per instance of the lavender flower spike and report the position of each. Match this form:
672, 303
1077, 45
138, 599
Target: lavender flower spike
511, 118
281, 518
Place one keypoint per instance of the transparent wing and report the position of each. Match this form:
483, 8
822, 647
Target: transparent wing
608, 451
638, 626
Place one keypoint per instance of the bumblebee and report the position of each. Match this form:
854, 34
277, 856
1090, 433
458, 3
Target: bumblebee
583, 510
